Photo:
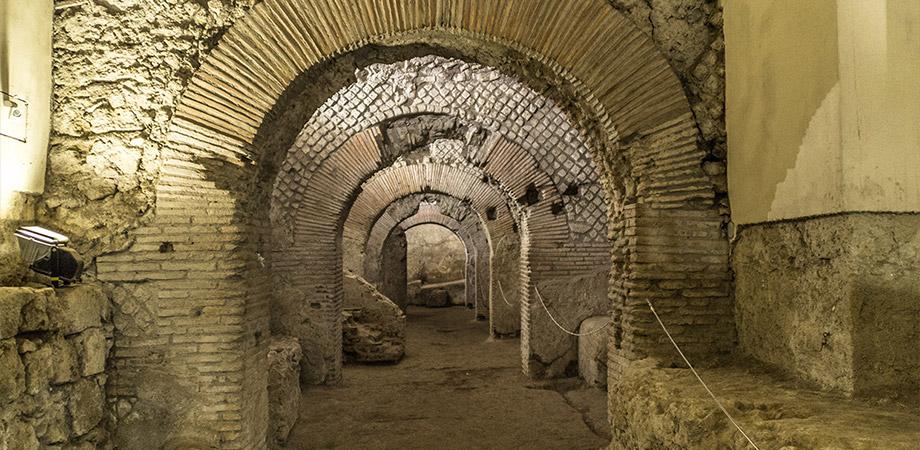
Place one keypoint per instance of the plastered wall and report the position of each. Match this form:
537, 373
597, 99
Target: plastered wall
822, 106
25, 74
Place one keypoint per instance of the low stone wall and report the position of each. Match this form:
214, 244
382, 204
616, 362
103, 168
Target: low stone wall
53, 350
657, 408
284, 356
833, 300
592, 350
439, 295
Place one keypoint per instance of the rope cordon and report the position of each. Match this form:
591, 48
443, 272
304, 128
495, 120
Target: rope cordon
700, 379
589, 333
503, 293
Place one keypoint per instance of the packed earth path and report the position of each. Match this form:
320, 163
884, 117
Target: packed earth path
456, 388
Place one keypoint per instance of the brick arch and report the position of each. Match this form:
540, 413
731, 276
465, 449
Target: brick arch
209, 285
474, 99
551, 246
432, 216
471, 228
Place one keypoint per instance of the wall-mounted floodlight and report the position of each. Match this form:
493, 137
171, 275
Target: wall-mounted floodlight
47, 253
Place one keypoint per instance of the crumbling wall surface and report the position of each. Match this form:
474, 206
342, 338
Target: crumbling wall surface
21, 210
584, 296
54, 345
374, 328
435, 254
668, 408
284, 355
505, 305
689, 34
833, 300
119, 69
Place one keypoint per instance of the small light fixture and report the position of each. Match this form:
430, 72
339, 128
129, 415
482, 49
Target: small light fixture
47, 253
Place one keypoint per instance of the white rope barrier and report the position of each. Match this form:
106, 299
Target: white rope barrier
589, 333
718, 403
503, 293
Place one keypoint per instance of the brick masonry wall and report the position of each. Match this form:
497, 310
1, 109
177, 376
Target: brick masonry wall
54, 348
118, 80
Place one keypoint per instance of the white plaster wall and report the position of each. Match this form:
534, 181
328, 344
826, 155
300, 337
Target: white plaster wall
823, 107
25, 71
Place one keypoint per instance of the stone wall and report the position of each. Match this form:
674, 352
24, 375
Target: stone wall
284, 355
435, 255
119, 69
22, 211
660, 407
833, 300
394, 276
54, 346
505, 307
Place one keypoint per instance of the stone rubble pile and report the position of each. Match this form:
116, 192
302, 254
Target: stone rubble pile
373, 328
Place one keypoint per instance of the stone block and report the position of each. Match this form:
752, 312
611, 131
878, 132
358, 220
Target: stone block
53, 425
34, 312
85, 405
284, 356
12, 372
19, 436
64, 363
436, 298
11, 303
79, 307
592, 350
93, 348
38, 366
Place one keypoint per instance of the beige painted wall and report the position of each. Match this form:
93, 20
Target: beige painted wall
823, 107
880, 103
25, 71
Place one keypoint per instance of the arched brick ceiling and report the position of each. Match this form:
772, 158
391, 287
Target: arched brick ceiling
583, 39
401, 211
395, 182
502, 162
433, 216
482, 99
403, 208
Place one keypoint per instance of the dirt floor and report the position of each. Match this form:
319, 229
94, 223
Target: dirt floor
455, 389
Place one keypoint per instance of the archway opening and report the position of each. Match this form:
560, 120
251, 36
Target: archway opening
436, 266
243, 140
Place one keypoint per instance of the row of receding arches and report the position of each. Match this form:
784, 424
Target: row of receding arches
442, 125
313, 127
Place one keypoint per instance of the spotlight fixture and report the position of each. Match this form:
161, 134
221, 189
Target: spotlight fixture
47, 253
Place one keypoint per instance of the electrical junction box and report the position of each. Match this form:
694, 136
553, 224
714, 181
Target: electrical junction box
14, 115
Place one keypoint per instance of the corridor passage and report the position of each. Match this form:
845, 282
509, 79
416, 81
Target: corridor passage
456, 388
